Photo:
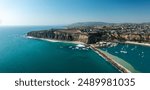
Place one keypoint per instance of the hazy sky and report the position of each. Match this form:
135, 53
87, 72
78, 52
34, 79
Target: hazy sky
57, 12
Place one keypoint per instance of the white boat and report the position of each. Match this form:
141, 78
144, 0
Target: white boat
116, 52
85, 49
70, 46
124, 52
76, 47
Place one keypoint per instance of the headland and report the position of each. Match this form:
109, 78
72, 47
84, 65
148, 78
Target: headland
99, 36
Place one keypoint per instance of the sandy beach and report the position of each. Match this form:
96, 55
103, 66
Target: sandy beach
136, 43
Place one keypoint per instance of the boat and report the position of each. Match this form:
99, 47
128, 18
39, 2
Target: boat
124, 52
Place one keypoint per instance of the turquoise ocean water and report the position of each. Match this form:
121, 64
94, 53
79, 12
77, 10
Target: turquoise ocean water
136, 55
19, 54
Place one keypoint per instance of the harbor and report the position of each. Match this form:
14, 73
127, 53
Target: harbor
110, 60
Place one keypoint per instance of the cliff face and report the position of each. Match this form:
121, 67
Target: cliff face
67, 35
92, 32
89, 37
105, 35
132, 37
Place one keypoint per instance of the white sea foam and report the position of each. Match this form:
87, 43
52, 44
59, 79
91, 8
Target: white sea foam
29, 37
51, 40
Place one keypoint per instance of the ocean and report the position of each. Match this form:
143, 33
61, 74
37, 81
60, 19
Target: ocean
19, 54
135, 55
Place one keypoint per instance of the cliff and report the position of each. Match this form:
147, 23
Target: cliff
89, 37
93, 32
65, 34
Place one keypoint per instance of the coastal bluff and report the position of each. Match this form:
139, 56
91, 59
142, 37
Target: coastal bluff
97, 36
92, 33
64, 35
90, 36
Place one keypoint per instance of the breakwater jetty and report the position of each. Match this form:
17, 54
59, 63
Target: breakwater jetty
110, 60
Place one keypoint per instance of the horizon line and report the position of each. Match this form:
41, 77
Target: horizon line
73, 23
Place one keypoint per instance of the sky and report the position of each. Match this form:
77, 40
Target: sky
62, 12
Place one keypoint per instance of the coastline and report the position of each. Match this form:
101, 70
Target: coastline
52, 40
77, 42
107, 57
136, 43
